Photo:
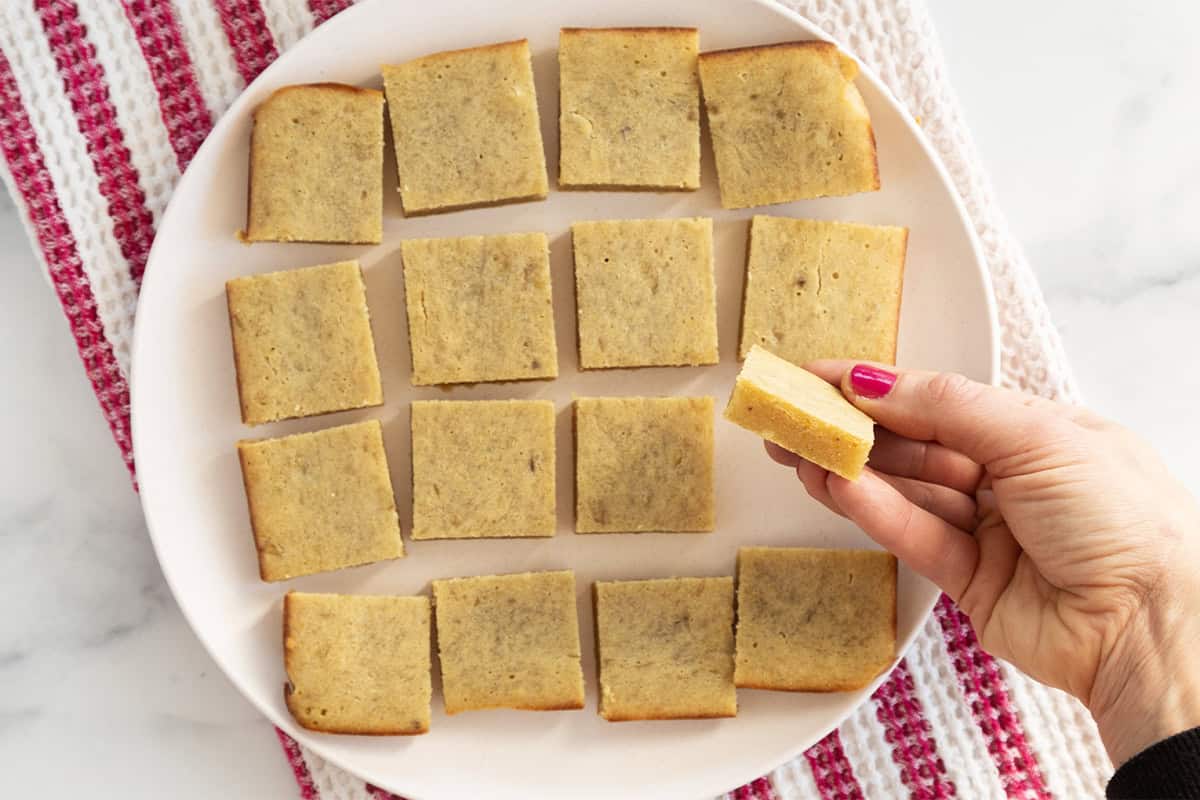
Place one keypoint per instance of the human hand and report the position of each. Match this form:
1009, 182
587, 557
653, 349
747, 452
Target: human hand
1061, 534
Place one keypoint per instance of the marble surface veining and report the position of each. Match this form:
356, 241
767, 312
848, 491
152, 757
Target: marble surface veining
1084, 114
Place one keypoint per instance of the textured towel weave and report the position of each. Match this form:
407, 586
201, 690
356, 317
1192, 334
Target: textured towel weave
104, 102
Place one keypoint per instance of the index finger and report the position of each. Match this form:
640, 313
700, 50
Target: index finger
985, 423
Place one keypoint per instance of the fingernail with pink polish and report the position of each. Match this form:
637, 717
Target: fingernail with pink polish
871, 382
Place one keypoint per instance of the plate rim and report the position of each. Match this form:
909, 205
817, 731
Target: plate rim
331, 30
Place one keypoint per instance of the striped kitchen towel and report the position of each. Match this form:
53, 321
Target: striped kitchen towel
104, 102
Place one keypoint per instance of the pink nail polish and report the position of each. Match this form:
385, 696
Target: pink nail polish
871, 382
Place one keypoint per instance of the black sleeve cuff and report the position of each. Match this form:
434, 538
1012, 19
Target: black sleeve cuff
1168, 770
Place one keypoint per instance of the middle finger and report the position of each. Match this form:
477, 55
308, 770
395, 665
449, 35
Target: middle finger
923, 461
953, 506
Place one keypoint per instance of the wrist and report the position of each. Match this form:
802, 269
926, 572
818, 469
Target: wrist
1148, 688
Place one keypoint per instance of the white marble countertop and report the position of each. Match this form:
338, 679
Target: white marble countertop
1086, 119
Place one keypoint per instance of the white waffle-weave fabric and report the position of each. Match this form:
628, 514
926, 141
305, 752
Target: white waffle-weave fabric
102, 105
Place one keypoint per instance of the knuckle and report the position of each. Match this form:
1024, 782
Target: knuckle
948, 388
918, 459
908, 526
921, 496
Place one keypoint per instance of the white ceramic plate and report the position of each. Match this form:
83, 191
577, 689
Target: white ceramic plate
186, 414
